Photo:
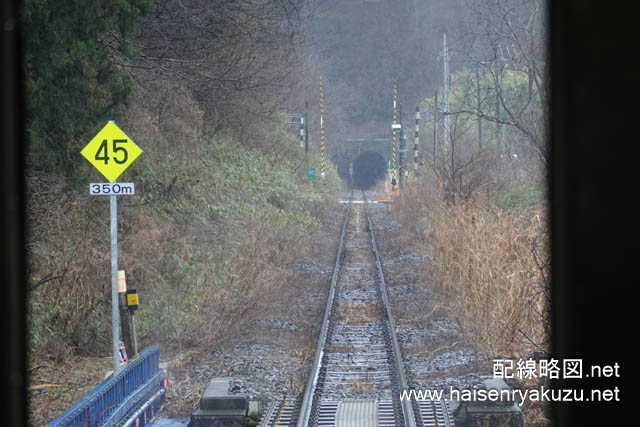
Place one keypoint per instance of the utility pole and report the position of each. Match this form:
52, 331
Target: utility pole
478, 106
498, 125
445, 95
435, 129
322, 129
500, 63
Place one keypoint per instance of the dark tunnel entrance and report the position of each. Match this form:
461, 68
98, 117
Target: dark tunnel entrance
368, 168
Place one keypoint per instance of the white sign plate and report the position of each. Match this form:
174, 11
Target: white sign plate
109, 188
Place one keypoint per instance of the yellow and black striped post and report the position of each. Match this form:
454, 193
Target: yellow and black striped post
393, 139
322, 149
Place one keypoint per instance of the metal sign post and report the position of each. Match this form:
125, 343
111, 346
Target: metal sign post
114, 281
111, 151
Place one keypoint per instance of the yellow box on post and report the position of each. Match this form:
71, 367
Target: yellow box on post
132, 299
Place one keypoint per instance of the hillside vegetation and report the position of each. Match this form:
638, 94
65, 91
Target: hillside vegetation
202, 247
220, 204
223, 208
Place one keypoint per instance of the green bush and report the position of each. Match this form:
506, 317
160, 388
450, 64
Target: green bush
520, 196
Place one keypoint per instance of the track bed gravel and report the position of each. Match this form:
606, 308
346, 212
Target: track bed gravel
273, 357
434, 349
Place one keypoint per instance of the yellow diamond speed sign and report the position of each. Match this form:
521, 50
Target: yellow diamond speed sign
111, 151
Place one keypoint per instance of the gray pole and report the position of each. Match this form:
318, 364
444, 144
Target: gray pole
445, 95
500, 61
498, 126
478, 106
115, 323
435, 128
416, 141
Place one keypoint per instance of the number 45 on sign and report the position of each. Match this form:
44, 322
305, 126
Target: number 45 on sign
111, 151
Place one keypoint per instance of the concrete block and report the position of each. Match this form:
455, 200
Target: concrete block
502, 412
220, 407
217, 397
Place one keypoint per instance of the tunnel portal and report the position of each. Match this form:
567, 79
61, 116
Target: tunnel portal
368, 168
362, 162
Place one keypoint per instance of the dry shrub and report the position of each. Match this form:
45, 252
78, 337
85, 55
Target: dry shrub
214, 286
68, 286
492, 265
483, 261
263, 253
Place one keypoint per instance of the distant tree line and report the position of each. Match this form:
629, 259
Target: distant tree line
83, 62
72, 82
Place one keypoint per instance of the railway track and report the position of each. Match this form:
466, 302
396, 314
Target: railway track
358, 364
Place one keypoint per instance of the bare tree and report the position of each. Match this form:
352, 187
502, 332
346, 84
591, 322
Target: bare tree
462, 169
505, 40
236, 57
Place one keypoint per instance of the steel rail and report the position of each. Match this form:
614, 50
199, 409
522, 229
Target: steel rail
307, 400
407, 409
270, 411
311, 396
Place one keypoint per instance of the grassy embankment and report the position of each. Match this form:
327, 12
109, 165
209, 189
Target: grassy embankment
208, 239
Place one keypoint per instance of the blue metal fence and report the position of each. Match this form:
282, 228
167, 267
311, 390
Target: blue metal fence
120, 395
